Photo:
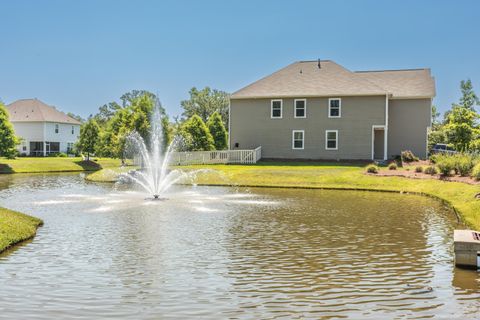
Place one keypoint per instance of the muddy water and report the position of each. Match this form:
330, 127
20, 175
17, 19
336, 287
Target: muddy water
230, 253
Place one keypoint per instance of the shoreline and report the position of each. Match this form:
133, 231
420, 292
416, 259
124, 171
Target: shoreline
16, 227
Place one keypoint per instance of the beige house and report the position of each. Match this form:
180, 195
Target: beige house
44, 129
321, 110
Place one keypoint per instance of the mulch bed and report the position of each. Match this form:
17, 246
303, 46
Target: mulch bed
410, 173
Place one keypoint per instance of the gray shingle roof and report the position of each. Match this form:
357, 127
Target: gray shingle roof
34, 110
305, 79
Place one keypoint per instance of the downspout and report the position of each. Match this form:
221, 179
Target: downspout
385, 139
229, 124
44, 138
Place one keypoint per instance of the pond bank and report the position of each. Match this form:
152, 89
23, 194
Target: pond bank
16, 227
55, 164
459, 196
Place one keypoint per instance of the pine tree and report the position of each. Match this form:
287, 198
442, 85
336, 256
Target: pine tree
218, 131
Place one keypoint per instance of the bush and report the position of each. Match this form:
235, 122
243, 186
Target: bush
371, 168
434, 157
446, 165
408, 156
62, 155
476, 172
463, 164
419, 169
431, 170
392, 166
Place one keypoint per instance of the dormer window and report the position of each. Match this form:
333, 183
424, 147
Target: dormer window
334, 108
276, 109
56, 127
300, 108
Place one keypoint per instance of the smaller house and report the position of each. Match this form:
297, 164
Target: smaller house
43, 129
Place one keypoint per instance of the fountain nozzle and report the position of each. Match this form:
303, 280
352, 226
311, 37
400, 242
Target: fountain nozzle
155, 196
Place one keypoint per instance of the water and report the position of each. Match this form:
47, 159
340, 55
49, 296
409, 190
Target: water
155, 176
217, 253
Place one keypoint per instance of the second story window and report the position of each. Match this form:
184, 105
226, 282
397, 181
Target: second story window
56, 128
334, 108
300, 108
73, 130
276, 109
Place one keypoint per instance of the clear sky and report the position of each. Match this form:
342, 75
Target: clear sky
79, 55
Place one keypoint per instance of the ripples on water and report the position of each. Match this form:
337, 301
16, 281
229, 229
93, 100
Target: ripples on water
227, 253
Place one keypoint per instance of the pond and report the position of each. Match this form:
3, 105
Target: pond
213, 252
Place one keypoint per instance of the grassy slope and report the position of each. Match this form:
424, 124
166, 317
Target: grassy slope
107, 175
321, 175
53, 164
16, 227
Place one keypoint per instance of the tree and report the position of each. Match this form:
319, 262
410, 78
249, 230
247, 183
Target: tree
205, 102
76, 117
195, 135
8, 140
218, 131
89, 133
469, 99
461, 127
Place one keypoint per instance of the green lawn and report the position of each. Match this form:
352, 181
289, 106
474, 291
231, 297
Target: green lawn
16, 227
339, 176
54, 164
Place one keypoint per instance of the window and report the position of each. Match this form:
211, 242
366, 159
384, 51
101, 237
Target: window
73, 130
298, 137
56, 128
331, 139
276, 107
334, 108
300, 108
70, 147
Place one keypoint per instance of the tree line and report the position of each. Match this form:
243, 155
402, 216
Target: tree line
202, 126
459, 127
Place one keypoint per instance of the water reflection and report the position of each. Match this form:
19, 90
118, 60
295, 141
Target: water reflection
224, 253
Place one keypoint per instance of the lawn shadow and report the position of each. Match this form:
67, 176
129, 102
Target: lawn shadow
89, 165
5, 168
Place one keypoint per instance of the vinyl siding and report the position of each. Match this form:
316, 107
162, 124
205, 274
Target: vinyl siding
409, 120
251, 126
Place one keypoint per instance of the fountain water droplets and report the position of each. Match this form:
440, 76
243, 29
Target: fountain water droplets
154, 177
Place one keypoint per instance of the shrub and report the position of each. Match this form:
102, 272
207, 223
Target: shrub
371, 168
408, 156
418, 169
434, 157
476, 172
61, 155
392, 166
446, 165
431, 170
463, 164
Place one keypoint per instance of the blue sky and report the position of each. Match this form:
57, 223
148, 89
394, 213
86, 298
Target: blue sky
79, 55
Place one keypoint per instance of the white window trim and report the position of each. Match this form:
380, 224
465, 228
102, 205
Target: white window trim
339, 107
378, 127
304, 108
293, 139
271, 109
326, 139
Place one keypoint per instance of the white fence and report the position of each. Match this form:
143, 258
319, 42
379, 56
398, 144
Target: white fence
215, 157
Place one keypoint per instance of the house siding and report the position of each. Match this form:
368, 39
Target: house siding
251, 126
45, 131
409, 120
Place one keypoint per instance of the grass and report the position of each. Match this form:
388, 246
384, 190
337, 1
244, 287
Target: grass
107, 175
16, 227
460, 196
54, 164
